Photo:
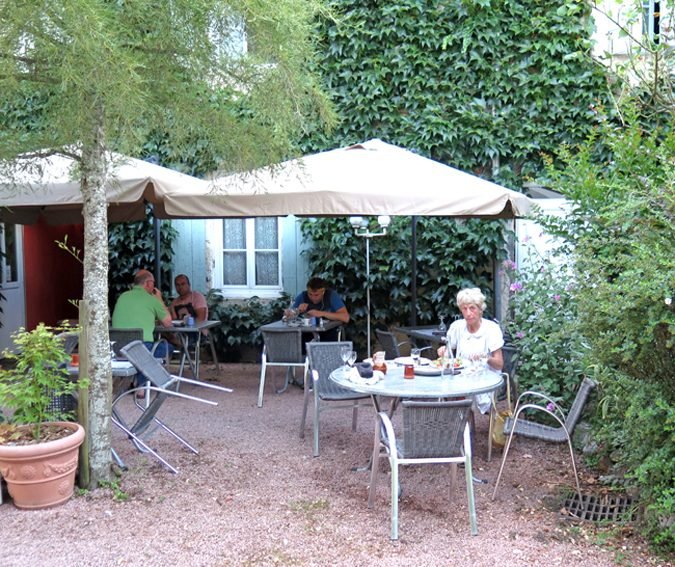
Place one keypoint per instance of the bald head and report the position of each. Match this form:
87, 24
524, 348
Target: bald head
142, 276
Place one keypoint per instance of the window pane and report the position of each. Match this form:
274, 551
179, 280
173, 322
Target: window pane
8, 253
234, 268
266, 234
266, 268
234, 234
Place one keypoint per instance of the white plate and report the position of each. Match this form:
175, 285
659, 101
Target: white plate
178, 323
427, 371
403, 360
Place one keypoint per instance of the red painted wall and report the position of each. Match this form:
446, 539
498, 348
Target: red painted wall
51, 275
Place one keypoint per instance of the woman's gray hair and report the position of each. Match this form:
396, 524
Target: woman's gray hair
471, 296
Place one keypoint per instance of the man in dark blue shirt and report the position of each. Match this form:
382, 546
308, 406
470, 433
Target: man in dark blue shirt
320, 301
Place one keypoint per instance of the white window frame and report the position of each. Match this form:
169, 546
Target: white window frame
9, 278
215, 230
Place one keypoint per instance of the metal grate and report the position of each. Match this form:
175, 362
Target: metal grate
598, 508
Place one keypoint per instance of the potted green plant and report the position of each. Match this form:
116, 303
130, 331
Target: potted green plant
38, 447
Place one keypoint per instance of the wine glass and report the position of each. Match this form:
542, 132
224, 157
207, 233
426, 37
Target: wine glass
345, 354
112, 350
415, 355
441, 325
352, 358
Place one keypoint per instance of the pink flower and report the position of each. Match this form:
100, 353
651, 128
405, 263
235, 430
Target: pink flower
550, 406
556, 297
520, 335
516, 287
509, 265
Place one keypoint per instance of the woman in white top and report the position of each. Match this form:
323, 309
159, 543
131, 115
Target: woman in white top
474, 338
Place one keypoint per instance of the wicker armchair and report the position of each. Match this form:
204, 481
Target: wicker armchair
389, 343
323, 359
281, 348
433, 432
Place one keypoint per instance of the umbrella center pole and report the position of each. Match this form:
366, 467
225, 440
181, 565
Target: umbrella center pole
368, 292
361, 228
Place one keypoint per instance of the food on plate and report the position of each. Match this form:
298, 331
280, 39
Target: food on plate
438, 363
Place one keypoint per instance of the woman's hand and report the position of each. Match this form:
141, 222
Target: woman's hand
441, 351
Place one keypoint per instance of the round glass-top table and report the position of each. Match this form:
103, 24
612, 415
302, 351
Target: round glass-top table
394, 385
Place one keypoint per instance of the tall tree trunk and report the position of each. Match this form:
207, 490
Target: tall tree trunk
94, 173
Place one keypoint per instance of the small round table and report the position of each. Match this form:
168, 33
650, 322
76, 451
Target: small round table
395, 386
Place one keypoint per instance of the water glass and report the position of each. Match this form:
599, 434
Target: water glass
345, 354
352, 358
415, 355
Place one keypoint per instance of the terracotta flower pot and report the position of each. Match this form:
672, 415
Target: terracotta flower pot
42, 475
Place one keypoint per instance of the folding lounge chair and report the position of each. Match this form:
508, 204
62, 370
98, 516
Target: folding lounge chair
163, 386
519, 426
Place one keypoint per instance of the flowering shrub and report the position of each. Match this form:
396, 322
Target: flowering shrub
542, 322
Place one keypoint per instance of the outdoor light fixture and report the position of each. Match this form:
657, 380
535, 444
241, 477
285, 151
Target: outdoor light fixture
360, 226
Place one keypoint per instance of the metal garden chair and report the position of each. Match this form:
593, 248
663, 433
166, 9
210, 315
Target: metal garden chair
163, 386
389, 343
433, 432
323, 358
519, 426
281, 348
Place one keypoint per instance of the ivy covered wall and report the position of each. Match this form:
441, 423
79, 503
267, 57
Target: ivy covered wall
485, 86
472, 83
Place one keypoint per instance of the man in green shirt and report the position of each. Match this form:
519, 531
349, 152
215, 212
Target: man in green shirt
140, 308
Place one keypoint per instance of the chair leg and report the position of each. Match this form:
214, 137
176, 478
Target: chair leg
261, 388
468, 469
394, 500
317, 412
374, 465
213, 351
355, 415
453, 480
289, 372
305, 403
493, 412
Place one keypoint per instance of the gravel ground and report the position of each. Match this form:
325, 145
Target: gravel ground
255, 496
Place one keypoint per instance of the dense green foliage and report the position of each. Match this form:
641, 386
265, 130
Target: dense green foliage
542, 322
241, 320
131, 247
484, 86
621, 228
451, 254
636, 432
622, 231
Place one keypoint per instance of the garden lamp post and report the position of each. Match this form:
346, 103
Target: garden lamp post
360, 226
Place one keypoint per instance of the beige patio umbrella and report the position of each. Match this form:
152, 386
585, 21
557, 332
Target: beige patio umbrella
49, 188
371, 178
